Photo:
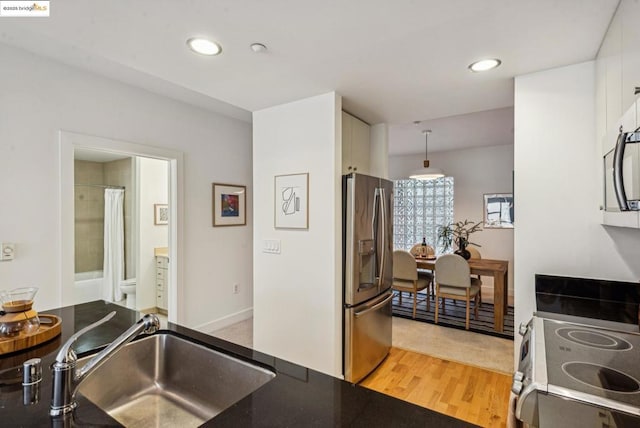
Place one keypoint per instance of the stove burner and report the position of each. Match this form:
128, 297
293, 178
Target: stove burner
601, 377
595, 339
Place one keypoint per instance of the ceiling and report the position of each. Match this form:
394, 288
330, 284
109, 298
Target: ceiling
481, 129
392, 61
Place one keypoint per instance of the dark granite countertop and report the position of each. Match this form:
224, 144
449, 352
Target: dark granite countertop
296, 397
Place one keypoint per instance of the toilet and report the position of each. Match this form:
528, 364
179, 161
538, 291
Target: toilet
128, 288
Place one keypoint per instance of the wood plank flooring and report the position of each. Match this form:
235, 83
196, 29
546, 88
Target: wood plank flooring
472, 394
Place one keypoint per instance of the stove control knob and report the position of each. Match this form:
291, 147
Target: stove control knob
523, 328
516, 387
518, 376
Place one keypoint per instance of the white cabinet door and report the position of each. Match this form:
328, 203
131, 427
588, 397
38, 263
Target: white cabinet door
630, 10
162, 280
356, 146
360, 145
611, 51
347, 166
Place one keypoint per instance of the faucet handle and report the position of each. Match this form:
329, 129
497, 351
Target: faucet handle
31, 371
151, 323
66, 352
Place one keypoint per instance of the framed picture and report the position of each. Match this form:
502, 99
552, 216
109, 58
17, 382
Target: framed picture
229, 202
160, 214
292, 201
498, 210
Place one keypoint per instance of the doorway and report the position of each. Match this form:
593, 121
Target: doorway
150, 221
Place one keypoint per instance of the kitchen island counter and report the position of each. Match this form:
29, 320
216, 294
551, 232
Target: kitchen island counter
297, 396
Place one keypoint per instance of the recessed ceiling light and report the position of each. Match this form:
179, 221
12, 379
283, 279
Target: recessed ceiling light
485, 64
204, 46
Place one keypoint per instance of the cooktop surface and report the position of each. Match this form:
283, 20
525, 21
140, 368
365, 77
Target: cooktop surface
593, 360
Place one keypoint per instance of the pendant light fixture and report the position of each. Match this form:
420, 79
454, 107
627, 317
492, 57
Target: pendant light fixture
426, 173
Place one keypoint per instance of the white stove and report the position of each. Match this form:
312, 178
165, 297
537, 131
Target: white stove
572, 374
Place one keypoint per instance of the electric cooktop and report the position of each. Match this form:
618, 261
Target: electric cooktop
592, 360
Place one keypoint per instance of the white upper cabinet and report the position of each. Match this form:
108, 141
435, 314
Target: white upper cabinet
630, 11
617, 75
356, 146
618, 69
611, 52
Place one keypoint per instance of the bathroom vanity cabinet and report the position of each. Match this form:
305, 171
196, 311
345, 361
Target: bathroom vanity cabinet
162, 279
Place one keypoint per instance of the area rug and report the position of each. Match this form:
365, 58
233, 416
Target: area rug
454, 315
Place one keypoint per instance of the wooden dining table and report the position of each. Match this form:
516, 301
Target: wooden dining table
498, 269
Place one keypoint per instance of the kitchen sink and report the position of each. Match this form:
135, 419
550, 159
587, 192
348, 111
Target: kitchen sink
164, 380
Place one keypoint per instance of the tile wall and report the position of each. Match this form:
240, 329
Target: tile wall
89, 212
89, 216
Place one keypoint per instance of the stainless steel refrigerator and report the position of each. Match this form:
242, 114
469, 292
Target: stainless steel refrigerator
367, 273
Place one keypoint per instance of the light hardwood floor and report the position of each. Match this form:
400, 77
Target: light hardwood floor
472, 394
465, 391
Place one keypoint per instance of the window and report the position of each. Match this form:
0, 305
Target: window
419, 208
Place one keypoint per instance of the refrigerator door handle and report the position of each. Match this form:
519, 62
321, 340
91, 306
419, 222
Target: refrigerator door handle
383, 216
374, 307
374, 233
618, 182
374, 217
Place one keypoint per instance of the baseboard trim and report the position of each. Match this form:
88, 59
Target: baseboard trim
223, 322
154, 310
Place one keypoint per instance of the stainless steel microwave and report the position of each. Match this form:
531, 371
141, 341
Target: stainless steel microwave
622, 174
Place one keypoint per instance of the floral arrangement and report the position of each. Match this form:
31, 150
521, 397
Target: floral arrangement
458, 232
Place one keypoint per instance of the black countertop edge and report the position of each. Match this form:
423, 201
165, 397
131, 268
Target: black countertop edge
297, 396
607, 300
592, 288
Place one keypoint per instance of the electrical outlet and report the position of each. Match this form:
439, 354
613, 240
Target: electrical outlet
236, 288
7, 251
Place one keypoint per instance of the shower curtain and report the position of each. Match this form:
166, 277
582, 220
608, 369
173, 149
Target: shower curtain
113, 265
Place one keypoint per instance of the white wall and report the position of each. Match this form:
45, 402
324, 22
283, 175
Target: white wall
475, 172
38, 97
558, 187
153, 188
297, 305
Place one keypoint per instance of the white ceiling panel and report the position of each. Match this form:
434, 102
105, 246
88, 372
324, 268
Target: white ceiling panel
392, 61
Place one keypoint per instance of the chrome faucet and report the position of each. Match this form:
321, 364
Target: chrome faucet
66, 379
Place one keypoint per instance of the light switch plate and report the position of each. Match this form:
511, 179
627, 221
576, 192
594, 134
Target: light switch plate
271, 246
7, 251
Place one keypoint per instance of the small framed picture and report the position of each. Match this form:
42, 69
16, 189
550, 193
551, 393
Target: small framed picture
292, 201
229, 202
498, 211
160, 214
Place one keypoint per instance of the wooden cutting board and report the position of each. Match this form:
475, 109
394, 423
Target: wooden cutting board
50, 327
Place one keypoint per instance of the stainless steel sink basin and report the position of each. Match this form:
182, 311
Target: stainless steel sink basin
163, 380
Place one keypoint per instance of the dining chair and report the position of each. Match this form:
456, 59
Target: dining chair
454, 281
405, 277
475, 254
418, 250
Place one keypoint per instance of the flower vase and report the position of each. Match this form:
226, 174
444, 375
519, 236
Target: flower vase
462, 250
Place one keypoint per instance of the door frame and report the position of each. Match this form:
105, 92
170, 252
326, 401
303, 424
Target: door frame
69, 141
